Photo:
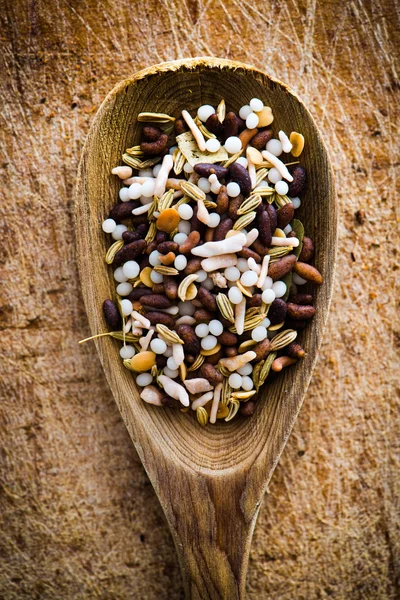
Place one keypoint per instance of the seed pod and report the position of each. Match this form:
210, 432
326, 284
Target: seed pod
214, 125
151, 133
299, 180
227, 338
207, 299
248, 408
231, 125
264, 226
165, 247
112, 315
203, 316
138, 292
281, 267
190, 339
254, 301
160, 318
191, 242
155, 301
155, 148
277, 311
295, 350
261, 349
260, 140
123, 211
130, 252
240, 175
307, 272
192, 266
285, 214
307, 251
170, 287
249, 253
222, 229
207, 169
222, 201
301, 299
234, 205
130, 236
180, 126
230, 351
300, 312
209, 372
169, 402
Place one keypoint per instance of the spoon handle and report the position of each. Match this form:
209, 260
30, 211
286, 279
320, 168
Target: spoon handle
212, 530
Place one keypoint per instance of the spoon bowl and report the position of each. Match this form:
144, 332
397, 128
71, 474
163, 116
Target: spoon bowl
210, 481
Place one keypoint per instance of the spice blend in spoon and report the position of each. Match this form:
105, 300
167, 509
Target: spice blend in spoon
208, 258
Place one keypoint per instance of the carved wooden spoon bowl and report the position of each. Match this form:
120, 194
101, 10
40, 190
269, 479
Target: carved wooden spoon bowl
210, 481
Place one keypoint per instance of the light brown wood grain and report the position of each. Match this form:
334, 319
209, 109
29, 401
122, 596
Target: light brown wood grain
210, 481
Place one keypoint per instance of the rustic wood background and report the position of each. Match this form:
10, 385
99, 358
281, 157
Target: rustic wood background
79, 519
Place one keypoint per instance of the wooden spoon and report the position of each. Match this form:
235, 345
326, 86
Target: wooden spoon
210, 481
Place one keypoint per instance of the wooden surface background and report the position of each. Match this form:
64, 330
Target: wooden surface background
78, 517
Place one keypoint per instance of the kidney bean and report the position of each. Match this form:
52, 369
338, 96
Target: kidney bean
155, 148
209, 372
233, 207
273, 218
231, 125
207, 169
214, 358
166, 247
307, 251
264, 226
299, 180
130, 252
203, 316
207, 299
155, 301
191, 341
170, 287
130, 236
161, 236
259, 247
112, 315
222, 229
260, 140
285, 214
247, 408
123, 211
151, 133
160, 318
230, 351
277, 311
227, 338
281, 267
240, 175
138, 292
158, 288
214, 125
151, 246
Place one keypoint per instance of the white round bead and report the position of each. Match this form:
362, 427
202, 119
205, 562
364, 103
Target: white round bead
252, 121
235, 295
171, 364
135, 191
235, 381
208, 283
156, 170
204, 185
256, 104
274, 176
144, 379
266, 322
205, 111
180, 262
158, 346
126, 307
124, 288
215, 327
209, 342
168, 351
296, 202
213, 145
127, 352
201, 276
298, 280
145, 173
268, 283
184, 227
242, 265
108, 225
247, 383
274, 146
281, 188
186, 308
172, 373
259, 333
156, 277
172, 150
119, 275
245, 111
233, 144
185, 212
124, 194
118, 231
232, 273
180, 238
287, 229
279, 287
246, 369
188, 168
249, 278
233, 189
214, 220
131, 269
242, 161
154, 258
268, 296
202, 330
148, 188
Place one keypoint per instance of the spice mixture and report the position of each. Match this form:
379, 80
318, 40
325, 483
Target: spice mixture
208, 258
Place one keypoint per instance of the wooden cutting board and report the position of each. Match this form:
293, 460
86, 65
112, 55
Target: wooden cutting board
79, 518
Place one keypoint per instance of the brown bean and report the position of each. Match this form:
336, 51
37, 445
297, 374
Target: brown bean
160, 318
161, 361
222, 200
231, 125
247, 408
260, 140
273, 219
301, 299
207, 299
227, 338
307, 272
240, 175
246, 136
144, 262
165, 247
138, 292
151, 133
209, 372
155, 148
137, 220
130, 252
191, 341
264, 226
209, 234
255, 300
259, 247
180, 126
307, 251
189, 358
230, 351
169, 402
281, 267
249, 253
214, 125
214, 358
299, 180
151, 246
112, 315
171, 287
222, 229
234, 204
203, 316
192, 266
277, 311
207, 169
158, 288
261, 349
295, 350
191, 242
130, 236
141, 229
123, 210
155, 301
161, 236
285, 214
300, 312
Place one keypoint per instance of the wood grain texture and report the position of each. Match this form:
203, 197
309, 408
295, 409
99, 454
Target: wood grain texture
79, 518
202, 474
